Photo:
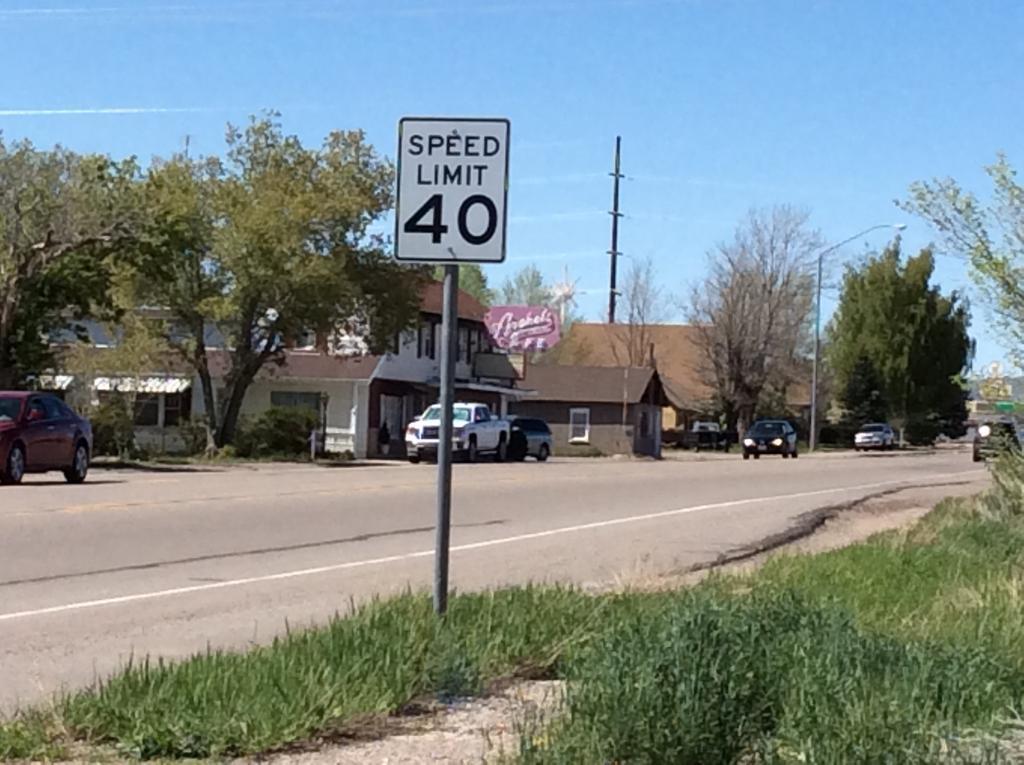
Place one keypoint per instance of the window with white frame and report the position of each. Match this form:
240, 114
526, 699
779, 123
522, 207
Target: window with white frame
579, 426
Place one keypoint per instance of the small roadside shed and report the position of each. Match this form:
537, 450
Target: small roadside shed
611, 410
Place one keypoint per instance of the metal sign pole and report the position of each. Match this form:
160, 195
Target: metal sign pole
449, 351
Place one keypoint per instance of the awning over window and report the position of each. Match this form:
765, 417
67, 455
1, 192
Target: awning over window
55, 382
142, 384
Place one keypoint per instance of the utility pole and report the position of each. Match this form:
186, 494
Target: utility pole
614, 251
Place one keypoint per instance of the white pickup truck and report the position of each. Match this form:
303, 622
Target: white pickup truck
475, 431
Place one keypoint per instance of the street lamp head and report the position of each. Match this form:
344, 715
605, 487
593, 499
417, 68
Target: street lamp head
899, 226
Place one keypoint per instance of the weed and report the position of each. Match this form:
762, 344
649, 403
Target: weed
373, 662
903, 649
714, 680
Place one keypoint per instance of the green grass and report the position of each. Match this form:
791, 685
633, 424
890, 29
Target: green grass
958, 576
373, 662
32, 734
903, 649
715, 679
894, 650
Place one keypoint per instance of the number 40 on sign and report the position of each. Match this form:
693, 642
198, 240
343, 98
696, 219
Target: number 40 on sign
452, 190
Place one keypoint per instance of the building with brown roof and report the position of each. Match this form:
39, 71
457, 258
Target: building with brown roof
606, 409
673, 349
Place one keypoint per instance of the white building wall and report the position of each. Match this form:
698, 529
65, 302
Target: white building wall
407, 366
361, 415
346, 412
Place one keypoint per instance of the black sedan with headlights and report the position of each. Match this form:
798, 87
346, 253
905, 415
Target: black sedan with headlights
993, 438
770, 437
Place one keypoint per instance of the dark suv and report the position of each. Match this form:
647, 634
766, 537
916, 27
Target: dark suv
531, 437
39, 433
993, 438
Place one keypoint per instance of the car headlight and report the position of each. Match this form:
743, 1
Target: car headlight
777, 442
748, 441
984, 431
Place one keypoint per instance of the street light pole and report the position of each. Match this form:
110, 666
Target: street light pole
812, 439
813, 436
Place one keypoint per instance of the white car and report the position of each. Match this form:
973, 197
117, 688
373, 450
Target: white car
475, 431
877, 435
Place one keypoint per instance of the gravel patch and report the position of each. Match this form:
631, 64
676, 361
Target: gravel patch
472, 731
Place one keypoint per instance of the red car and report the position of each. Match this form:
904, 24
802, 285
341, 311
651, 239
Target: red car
39, 433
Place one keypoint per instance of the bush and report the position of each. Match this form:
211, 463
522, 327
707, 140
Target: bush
922, 430
113, 428
193, 435
838, 434
278, 432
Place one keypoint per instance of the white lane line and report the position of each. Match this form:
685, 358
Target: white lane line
86, 604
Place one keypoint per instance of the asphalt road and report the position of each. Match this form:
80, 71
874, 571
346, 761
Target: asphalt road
169, 563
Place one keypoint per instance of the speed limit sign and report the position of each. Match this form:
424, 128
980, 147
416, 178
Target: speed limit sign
452, 190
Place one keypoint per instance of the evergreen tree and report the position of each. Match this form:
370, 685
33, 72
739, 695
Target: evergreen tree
914, 338
863, 396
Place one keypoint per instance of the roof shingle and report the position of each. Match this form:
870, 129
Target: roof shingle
432, 301
676, 351
597, 385
677, 355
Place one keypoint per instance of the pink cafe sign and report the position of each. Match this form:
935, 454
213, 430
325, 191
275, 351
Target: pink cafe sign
523, 328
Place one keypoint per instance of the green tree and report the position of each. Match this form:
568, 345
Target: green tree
527, 287
271, 241
137, 351
473, 280
863, 397
63, 218
914, 337
990, 236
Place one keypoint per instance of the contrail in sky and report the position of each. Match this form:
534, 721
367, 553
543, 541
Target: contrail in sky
91, 10
311, 8
102, 110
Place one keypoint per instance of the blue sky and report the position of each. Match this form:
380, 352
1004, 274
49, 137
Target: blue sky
722, 106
